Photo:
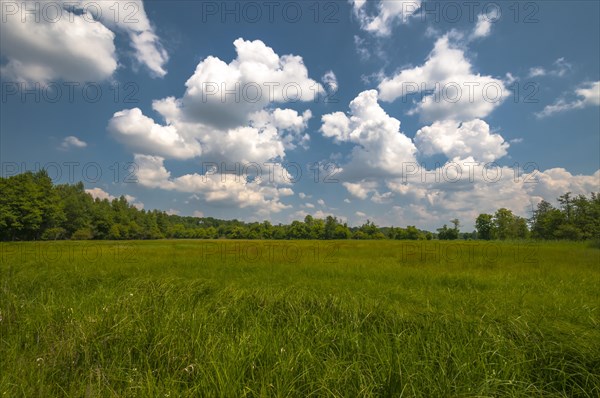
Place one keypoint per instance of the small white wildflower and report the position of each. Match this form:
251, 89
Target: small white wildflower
189, 368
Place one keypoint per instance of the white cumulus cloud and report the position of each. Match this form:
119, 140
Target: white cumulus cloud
74, 41
448, 84
464, 188
219, 188
140, 132
99, 193
224, 95
227, 128
387, 14
455, 139
380, 146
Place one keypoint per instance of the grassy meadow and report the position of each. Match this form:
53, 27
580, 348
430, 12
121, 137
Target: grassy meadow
192, 318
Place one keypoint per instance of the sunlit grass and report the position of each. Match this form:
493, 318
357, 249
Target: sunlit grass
257, 318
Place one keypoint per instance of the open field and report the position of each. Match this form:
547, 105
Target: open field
299, 319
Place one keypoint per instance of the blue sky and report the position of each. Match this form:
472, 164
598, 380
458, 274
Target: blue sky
413, 113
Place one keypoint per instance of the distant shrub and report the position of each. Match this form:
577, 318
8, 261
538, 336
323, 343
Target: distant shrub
594, 243
82, 234
360, 235
54, 233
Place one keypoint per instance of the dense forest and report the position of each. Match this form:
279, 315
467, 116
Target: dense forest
33, 208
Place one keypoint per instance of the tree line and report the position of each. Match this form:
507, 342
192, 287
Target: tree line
33, 208
576, 218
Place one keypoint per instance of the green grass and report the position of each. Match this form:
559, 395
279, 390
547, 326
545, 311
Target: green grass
348, 319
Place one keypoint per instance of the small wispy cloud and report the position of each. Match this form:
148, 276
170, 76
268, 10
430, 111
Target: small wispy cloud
72, 142
330, 80
588, 94
482, 28
560, 67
